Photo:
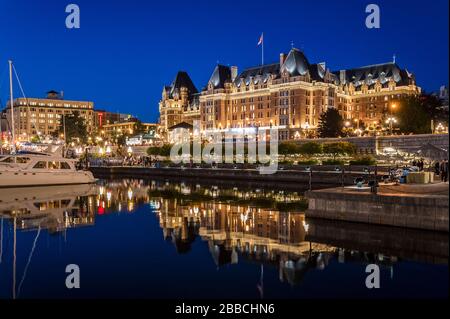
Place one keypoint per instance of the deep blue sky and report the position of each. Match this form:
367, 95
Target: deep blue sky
125, 51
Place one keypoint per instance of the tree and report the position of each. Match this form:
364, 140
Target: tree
310, 149
434, 107
331, 123
35, 139
339, 148
412, 116
75, 127
139, 128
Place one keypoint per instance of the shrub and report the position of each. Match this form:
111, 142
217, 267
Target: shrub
160, 151
288, 148
339, 148
286, 162
308, 162
310, 149
332, 162
364, 160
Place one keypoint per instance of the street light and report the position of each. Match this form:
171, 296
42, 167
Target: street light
440, 128
391, 121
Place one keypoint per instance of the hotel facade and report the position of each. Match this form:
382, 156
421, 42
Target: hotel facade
290, 95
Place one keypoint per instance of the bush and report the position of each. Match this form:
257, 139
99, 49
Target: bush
159, 151
364, 160
308, 162
285, 162
332, 162
310, 149
288, 148
339, 148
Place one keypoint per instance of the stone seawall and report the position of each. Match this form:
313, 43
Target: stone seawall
429, 212
283, 176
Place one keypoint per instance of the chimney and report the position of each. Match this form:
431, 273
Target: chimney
234, 73
342, 77
62, 95
282, 59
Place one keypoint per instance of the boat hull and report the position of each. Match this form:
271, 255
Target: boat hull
25, 179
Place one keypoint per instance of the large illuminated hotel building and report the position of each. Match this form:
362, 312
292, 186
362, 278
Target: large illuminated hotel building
290, 95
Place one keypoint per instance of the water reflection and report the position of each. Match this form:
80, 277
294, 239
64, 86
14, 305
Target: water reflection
264, 227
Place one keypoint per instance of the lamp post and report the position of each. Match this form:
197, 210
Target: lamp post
391, 120
306, 126
393, 107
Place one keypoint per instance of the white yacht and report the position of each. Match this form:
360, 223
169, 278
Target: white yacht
33, 169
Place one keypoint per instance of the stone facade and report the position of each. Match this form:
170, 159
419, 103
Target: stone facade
290, 95
178, 103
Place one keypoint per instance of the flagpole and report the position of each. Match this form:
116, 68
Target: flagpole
262, 49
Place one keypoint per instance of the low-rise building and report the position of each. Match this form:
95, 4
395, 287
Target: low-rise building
43, 116
127, 128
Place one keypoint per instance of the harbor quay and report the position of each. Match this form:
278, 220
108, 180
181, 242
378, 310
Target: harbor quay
410, 206
417, 206
302, 176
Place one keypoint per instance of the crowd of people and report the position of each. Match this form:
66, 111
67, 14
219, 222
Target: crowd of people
440, 168
420, 164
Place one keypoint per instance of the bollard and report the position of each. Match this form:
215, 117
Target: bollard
310, 180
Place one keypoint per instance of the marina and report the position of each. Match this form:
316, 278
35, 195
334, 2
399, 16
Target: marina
227, 243
209, 159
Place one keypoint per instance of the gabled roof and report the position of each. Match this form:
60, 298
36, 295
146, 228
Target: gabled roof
183, 80
181, 125
371, 73
296, 63
220, 76
317, 72
261, 71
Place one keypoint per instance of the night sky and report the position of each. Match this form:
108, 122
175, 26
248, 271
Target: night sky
125, 51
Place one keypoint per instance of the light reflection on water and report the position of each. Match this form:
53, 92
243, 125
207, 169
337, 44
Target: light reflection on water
156, 239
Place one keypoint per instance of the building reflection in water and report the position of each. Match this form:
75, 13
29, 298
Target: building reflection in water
239, 224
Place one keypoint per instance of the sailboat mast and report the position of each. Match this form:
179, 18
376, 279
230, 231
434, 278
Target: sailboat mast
13, 144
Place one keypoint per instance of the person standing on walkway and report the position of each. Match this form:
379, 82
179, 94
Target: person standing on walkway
444, 171
437, 168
